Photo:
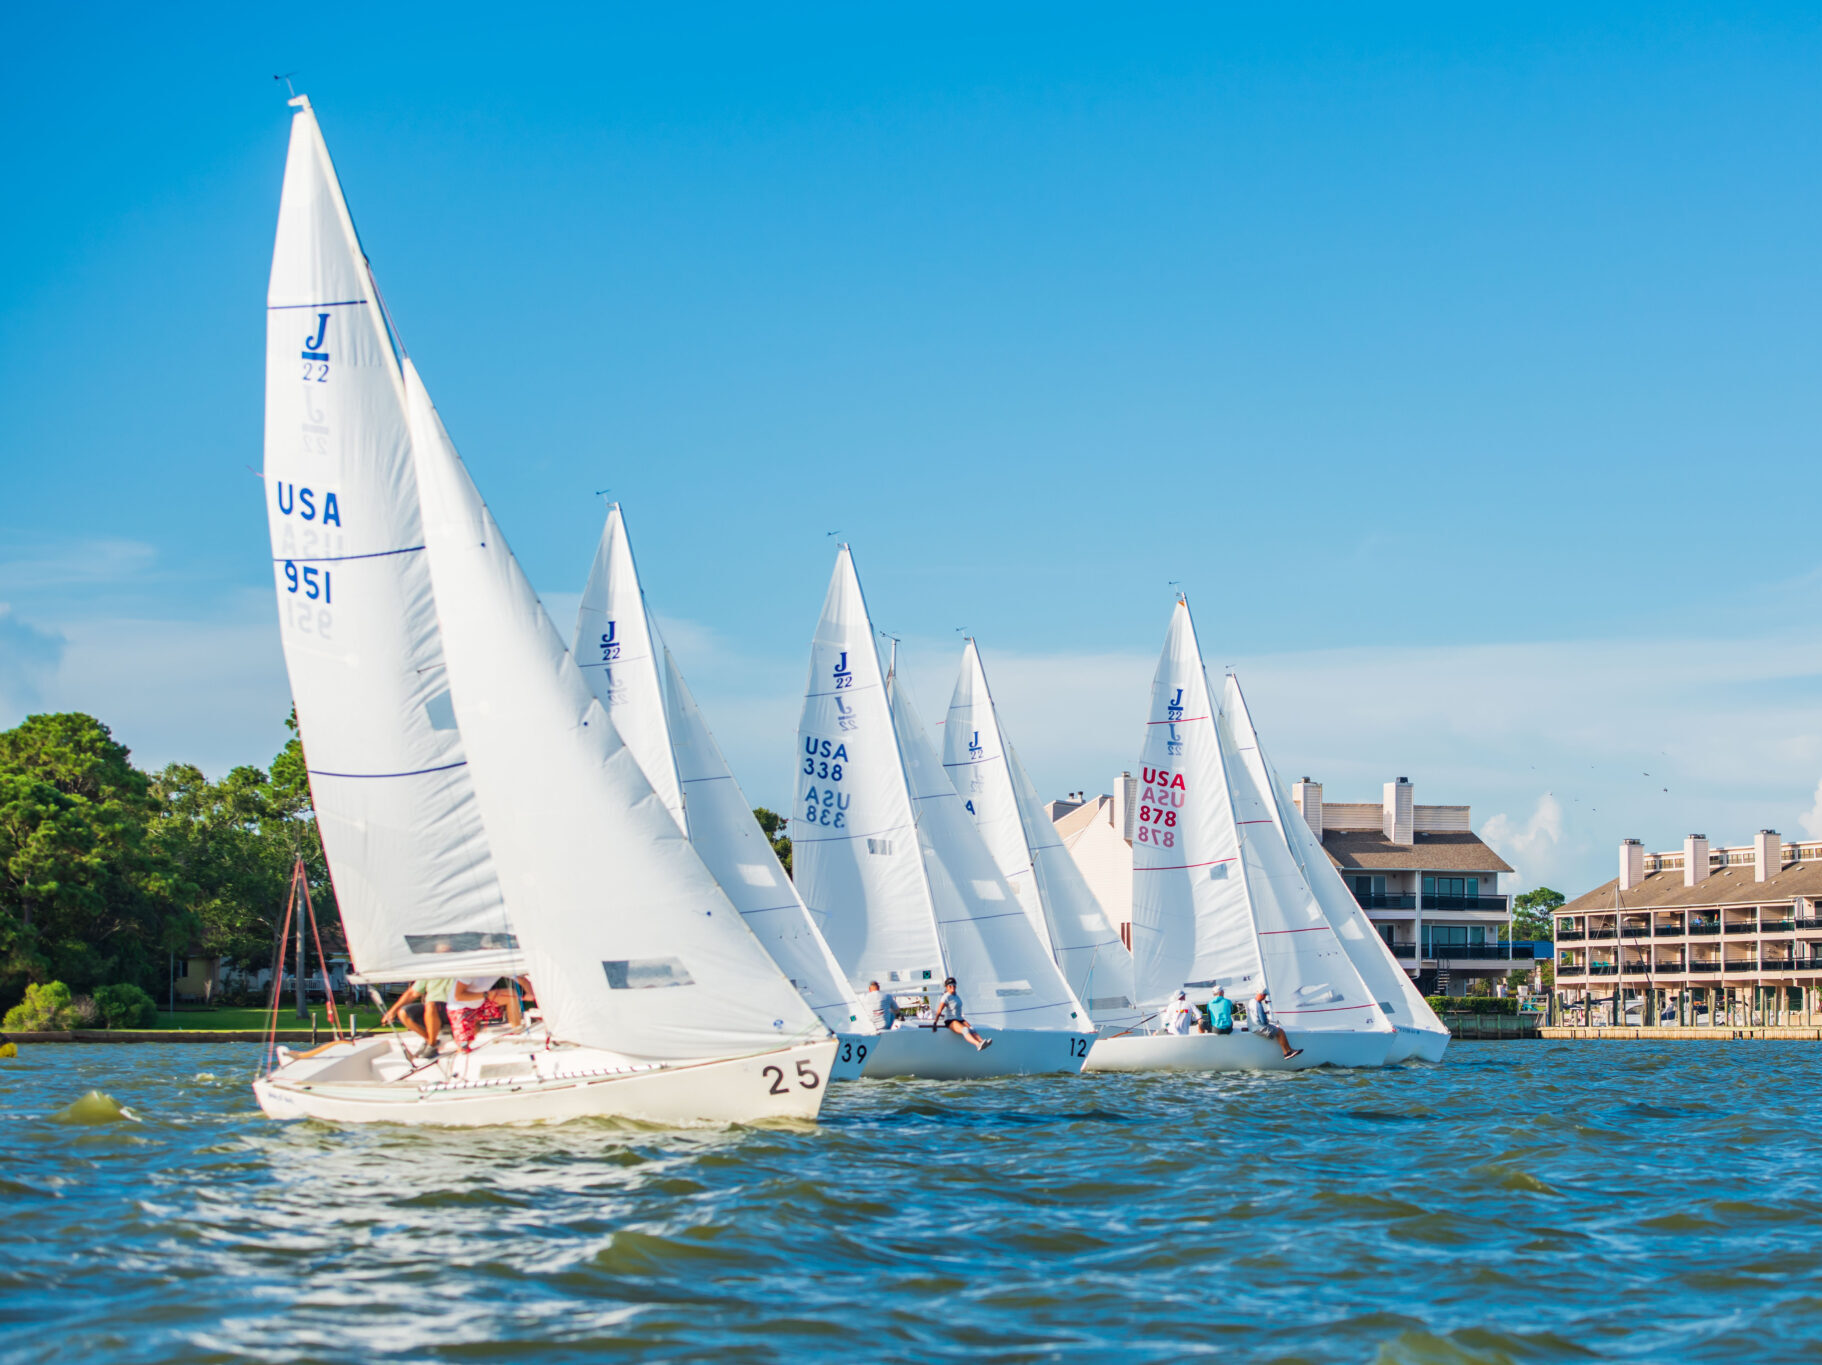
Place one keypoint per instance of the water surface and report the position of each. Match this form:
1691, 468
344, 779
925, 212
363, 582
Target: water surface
1521, 1202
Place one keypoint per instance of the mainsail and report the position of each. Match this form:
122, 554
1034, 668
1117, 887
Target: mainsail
414, 876
630, 942
887, 860
617, 650
1049, 887
634, 676
1398, 997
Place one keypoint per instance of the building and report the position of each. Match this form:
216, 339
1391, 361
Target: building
1429, 884
1698, 935
1427, 881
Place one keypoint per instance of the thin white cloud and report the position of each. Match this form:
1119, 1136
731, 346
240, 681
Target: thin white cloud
37, 567
1811, 819
29, 656
1531, 846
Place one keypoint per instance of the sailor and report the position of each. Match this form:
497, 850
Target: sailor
883, 1006
1180, 1015
473, 1004
1220, 1012
949, 1016
418, 1007
1259, 1020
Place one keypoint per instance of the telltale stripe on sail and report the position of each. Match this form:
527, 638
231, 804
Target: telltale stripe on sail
1182, 867
1333, 1009
339, 303
415, 772
845, 691
1024, 1009
865, 834
342, 559
712, 777
982, 919
621, 662
1315, 929
1252, 822
770, 909
1180, 720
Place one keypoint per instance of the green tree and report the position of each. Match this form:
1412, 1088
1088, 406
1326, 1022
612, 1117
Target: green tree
83, 897
1531, 916
774, 826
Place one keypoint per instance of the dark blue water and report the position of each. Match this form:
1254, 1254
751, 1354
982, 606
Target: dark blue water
1524, 1201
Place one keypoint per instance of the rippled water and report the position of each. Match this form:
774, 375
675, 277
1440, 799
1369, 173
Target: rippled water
1523, 1201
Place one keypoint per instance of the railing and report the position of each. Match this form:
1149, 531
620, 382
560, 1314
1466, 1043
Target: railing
1699, 929
1386, 900
1465, 903
1404, 950
1603, 969
1703, 967
1480, 952
1575, 937
1747, 966
1601, 933
1777, 926
1667, 931
1742, 928
1801, 923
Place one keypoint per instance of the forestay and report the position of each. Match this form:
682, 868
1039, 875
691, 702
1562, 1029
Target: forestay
854, 845
995, 791
630, 943
617, 651
1191, 925
414, 877
1004, 972
1397, 996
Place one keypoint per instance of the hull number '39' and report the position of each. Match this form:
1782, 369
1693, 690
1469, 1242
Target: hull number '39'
807, 1079
854, 1052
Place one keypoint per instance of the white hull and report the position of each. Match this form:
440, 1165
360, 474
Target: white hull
1426, 1044
1237, 1052
851, 1053
918, 1050
524, 1080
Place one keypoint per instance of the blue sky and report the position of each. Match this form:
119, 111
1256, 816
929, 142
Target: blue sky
1460, 362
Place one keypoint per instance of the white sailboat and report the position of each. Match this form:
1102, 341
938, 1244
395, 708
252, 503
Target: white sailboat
898, 879
1218, 900
1420, 1033
657, 1002
636, 680
1050, 889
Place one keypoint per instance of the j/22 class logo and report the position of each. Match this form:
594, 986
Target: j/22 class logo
843, 676
316, 352
610, 647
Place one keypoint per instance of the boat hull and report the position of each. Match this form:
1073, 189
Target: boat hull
1427, 1044
1237, 1052
785, 1084
946, 1056
851, 1053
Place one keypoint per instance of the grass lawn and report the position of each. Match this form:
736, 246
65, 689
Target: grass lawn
257, 1018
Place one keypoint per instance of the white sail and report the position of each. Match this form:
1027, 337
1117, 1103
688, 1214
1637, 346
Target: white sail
737, 852
616, 648
1191, 923
1397, 996
1313, 982
414, 877
630, 943
1004, 971
995, 791
853, 841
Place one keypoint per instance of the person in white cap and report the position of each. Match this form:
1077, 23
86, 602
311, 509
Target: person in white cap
1259, 1019
1180, 1016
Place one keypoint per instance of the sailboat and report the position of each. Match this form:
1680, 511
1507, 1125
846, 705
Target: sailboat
1218, 900
635, 678
461, 765
897, 878
1044, 878
1421, 1034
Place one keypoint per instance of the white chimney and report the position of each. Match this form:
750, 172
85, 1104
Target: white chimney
1767, 855
1695, 860
1125, 795
1308, 796
1395, 816
1632, 863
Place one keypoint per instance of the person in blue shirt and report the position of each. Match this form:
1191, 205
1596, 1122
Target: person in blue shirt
1220, 1012
949, 1016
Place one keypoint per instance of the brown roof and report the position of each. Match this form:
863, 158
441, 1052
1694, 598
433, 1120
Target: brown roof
1370, 851
1724, 886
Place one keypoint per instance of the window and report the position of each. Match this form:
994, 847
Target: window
1435, 887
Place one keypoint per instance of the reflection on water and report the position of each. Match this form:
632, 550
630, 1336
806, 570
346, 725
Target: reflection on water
1524, 1201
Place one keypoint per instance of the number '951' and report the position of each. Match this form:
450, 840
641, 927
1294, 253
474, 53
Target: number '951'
312, 582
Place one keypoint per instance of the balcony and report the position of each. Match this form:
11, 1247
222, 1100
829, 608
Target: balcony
1386, 901
1603, 969
1698, 929
1748, 965
1742, 929
1703, 967
1497, 903
1480, 952
1576, 937
1601, 933
1777, 926
1801, 923
1404, 951
1667, 931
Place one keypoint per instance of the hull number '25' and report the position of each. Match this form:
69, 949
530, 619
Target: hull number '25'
807, 1078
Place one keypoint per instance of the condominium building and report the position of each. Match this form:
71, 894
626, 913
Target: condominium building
1428, 883
1698, 935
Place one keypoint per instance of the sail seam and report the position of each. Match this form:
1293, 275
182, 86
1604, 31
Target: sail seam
342, 559
339, 303
415, 772
1180, 867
